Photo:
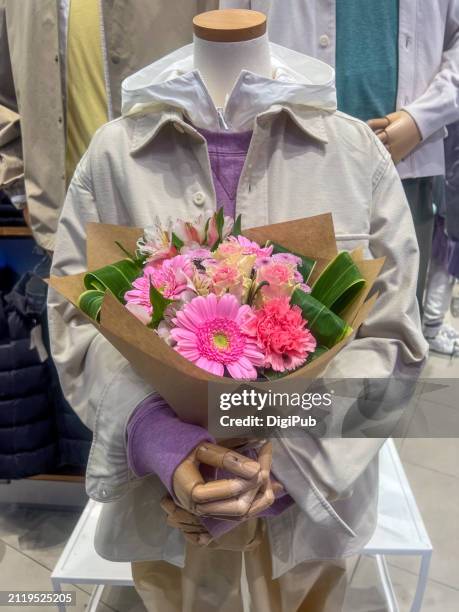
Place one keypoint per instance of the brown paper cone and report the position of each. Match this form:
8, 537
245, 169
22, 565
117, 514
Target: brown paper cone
182, 384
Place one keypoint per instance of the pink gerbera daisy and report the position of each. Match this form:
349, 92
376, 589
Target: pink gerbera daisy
208, 333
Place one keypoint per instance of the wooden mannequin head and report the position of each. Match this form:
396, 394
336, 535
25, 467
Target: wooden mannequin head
231, 25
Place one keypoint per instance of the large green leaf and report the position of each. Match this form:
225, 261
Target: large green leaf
306, 267
116, 278
327, 328
90, 302
339, 284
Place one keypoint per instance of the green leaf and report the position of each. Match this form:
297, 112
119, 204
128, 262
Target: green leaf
306, 267
206, 230
159, 303
90, 302
125, 251
339, 284
237, 227
177, 242
326, 327
116, 278
219, 222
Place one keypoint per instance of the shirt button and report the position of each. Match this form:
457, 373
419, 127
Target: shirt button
199, 198
324, 40
115, 59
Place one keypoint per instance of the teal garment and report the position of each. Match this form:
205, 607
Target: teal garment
367, 57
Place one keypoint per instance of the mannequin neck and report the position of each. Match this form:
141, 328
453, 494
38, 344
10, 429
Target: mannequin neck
221, 63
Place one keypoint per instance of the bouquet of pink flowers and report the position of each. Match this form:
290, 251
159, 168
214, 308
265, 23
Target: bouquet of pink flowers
224, 302
198, 302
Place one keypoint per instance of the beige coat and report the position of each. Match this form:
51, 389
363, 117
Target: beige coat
135, 33
305, 158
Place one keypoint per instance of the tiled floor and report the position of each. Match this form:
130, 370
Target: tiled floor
31, 539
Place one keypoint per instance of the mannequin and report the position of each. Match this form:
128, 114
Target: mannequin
227, 42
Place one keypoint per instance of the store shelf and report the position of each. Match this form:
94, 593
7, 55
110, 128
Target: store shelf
58, 477
15, 232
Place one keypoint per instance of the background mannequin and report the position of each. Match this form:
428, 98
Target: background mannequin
227, 42
402, 80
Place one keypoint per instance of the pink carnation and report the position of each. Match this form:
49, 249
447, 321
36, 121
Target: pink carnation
209, 333
281, 333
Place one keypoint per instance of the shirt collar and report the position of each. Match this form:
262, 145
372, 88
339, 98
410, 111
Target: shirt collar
148, 125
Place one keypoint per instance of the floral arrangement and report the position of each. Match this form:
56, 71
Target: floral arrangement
227, 304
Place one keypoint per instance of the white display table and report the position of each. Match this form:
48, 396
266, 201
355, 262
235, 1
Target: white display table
400, 531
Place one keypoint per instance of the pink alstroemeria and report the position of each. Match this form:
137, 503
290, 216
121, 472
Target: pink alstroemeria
212, 232
171, 278
156, 244
281, 334
209, 333
191, 232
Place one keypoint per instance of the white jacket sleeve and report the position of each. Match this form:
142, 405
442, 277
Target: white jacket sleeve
389, 346
98, 382
438, 106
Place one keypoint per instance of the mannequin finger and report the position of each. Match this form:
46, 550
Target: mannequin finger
220, 457
261, 503
223, 489
178, 514
186, 477
168, 505
198, 540
265, 458
379, 123
383, 137
184, 517
185, 528
236, 507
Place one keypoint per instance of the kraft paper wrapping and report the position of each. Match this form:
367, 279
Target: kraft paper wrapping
182, 384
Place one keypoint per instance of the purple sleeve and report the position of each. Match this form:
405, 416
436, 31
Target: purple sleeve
158, 441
